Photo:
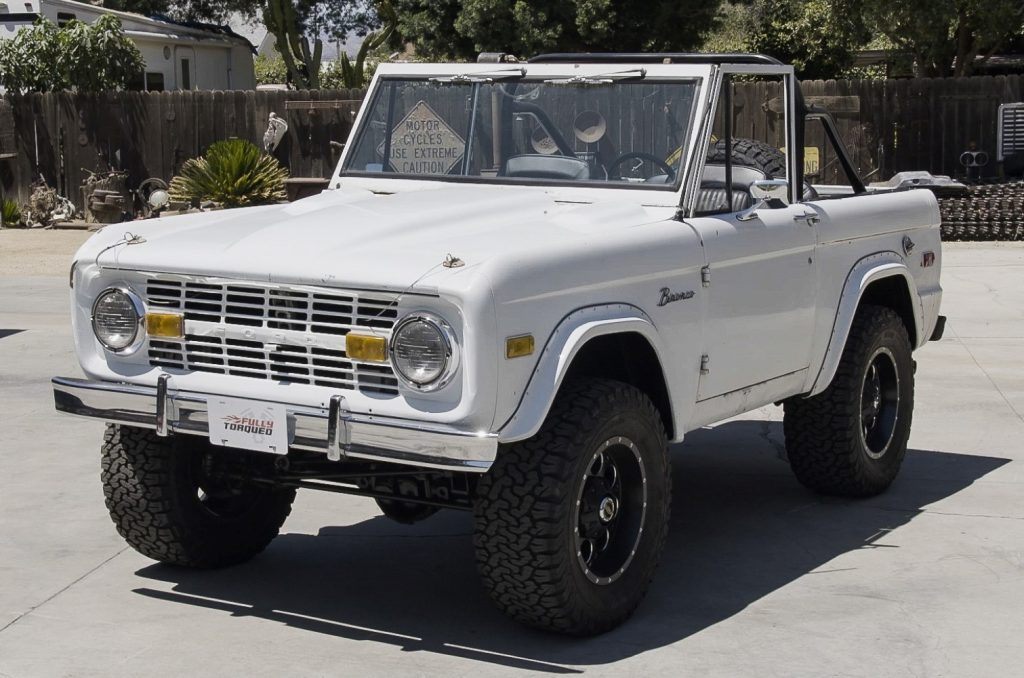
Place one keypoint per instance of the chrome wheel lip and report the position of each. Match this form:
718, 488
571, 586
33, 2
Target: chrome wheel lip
579, 540
880, 402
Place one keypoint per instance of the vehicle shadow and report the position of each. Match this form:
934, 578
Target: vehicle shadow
741, 528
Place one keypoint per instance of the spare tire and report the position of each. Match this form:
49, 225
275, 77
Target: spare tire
760, 156
750, 153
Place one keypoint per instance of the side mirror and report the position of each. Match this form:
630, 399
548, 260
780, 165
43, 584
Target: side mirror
766, 193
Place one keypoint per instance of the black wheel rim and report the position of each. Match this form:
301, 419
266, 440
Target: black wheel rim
216, 495
879, 403
610, 510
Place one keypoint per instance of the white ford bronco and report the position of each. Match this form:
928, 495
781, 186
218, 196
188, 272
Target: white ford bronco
524, 281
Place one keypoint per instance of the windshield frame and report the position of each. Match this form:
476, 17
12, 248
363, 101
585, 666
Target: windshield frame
650, 194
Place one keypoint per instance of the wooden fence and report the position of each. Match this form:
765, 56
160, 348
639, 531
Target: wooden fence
64, 137
889, 126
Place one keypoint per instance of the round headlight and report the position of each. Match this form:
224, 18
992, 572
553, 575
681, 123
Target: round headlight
423, 351
117, 319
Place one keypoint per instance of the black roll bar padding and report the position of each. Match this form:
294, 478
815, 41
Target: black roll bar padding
392, 94
727, 123
799, 127
813, 112
556, 136
654, 58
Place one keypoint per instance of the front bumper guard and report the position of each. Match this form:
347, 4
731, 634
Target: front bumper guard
334, 430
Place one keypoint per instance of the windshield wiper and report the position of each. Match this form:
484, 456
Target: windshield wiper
600, 79
480, 77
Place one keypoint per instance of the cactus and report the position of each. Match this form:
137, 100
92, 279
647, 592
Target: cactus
303, 65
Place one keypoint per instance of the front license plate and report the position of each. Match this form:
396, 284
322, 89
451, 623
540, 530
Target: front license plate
248, 424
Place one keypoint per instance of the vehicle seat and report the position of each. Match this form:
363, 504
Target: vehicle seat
712, 194
546, 167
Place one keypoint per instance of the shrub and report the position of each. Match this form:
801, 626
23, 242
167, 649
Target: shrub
233, 173
76, 56
11, 213
270, 70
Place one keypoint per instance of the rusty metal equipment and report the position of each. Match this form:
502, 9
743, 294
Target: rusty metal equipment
106, 197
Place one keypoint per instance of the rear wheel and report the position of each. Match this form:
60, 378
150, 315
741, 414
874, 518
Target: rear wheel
172, 501
850, 439
570, 524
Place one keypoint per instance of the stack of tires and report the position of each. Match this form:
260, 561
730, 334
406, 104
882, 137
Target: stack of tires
988, 211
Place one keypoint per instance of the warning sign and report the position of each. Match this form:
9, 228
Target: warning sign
423, 143
812, 160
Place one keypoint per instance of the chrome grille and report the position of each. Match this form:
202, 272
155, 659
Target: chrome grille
313, 312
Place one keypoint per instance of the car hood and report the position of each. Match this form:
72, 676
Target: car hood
356, 238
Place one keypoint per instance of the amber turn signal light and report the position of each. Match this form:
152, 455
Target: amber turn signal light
368, 348
166, 325
517, 347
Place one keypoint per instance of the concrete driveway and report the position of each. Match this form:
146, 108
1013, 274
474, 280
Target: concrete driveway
760, 577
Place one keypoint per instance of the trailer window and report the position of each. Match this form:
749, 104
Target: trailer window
186, 74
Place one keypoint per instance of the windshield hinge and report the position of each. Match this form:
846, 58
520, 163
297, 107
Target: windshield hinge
600, 79
480, 77
705, 363
705, 276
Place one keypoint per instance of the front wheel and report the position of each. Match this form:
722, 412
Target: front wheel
172, 499
850, 439
570, 524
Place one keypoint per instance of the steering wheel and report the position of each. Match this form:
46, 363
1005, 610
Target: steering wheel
639, 155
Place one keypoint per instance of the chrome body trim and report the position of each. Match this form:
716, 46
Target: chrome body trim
334, 430
162, 425
338, 439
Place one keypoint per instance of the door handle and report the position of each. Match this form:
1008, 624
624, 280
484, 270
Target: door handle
810, 217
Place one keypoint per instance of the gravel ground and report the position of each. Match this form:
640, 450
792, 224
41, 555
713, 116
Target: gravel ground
38, 252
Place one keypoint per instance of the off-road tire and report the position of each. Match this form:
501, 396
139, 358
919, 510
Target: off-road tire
526, 522
152, 493
751, 153
825, 440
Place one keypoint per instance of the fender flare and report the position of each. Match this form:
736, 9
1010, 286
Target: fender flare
569, 336
870, 269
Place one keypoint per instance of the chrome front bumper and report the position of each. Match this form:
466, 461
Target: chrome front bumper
334, 430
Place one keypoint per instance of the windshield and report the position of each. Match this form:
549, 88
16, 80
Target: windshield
600, 132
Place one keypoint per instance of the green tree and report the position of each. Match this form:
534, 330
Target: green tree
334, 19
729, 32
75, 57
948, 37
461, 29
818, 37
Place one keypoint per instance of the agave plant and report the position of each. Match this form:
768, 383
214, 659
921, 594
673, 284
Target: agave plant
233, 173
10, 213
